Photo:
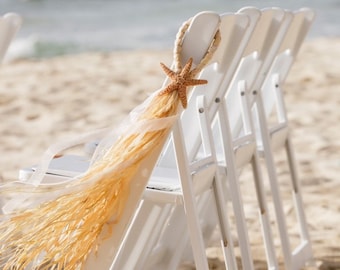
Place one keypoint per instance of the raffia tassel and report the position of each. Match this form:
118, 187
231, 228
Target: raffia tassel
66, 230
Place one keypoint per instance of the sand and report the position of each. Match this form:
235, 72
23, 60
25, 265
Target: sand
43, 101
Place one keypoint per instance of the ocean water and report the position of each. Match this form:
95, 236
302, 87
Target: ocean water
57, 27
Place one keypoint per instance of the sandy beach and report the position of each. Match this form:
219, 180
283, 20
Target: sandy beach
43, 101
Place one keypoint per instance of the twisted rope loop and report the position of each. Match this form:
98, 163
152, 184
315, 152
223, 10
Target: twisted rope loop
178, 49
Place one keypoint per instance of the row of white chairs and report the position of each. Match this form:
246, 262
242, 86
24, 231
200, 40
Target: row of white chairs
224, 128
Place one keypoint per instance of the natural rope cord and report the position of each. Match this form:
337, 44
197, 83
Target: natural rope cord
178, 49
63, 228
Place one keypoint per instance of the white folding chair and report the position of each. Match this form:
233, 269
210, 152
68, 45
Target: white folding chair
9, 26
273, 23
285, 46
183, 176
274, 136
171, 245
240, 150
233, 56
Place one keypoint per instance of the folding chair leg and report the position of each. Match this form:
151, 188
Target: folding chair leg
182, 243
226, 241
235, 196
189, 201
296, 189
153, 237
304, 248
175, 238
280, 216
274, 186
149, 217
195, 233
264, 215
216, 200
182, 250
296, 259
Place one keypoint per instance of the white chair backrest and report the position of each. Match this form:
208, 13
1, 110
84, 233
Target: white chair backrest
223, 66
290, 46
9, 25
257, 59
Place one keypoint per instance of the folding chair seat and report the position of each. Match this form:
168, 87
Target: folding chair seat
274, 135
9, 25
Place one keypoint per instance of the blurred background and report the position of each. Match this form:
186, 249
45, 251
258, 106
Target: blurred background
57, 27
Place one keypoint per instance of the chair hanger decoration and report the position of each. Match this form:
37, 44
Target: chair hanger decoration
58, 225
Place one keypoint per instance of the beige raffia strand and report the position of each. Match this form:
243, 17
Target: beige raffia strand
61, 233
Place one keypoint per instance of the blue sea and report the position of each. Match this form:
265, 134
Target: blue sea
57, 27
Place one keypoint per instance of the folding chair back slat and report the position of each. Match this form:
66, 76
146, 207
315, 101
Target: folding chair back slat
263, 50
290, 45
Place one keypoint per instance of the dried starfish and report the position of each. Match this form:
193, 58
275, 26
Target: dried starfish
180, 81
